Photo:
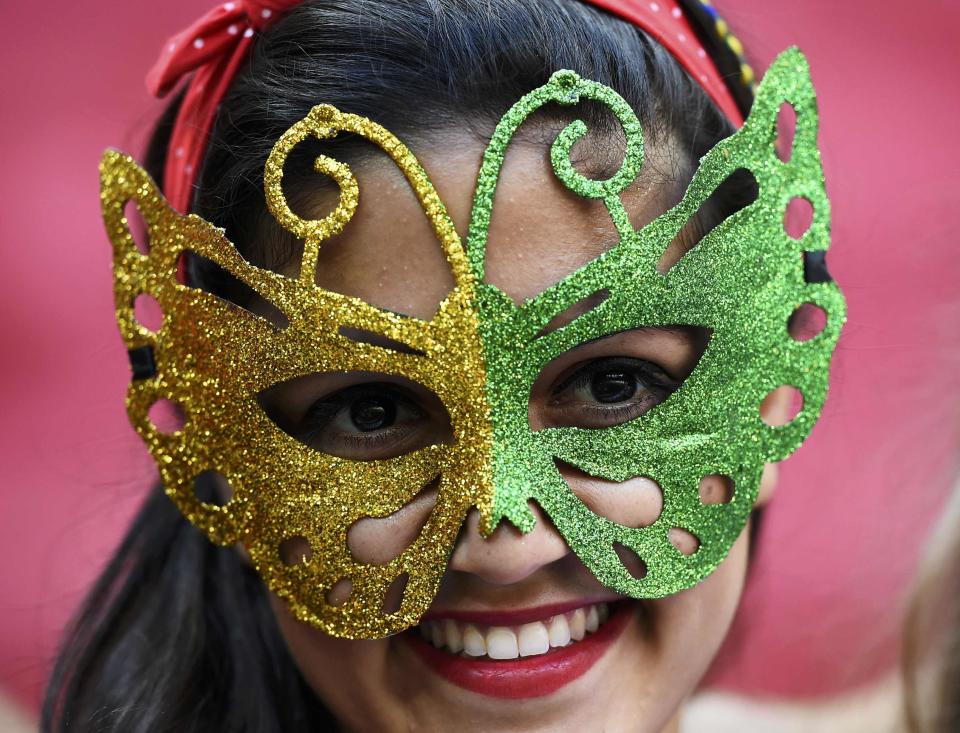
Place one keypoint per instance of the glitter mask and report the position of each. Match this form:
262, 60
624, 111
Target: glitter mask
480, 354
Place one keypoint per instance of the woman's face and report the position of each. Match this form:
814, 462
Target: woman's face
521, 636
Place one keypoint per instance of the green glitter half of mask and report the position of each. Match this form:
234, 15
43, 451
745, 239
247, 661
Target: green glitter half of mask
743, 282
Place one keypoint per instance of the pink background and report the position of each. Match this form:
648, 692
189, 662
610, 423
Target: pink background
842, 538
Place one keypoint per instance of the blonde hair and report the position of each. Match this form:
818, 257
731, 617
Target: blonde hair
930, 654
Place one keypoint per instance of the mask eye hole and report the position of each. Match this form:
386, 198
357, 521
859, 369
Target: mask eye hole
616, 378
608, 391
362, 416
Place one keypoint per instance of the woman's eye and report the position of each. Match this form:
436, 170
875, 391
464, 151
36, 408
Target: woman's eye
369, 422
607, 392
609, 387
373, 413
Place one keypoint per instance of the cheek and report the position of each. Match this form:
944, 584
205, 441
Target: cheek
692, 624
348, 676
669, 649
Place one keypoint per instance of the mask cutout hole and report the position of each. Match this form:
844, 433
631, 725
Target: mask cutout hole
807, 322
815, 267
362, 416
797, 217
137, 226
375, 339
205, 274
148, 312
340, 592
636, 502
781, 406
684, 540
735, 193
393, 598
380, 540
212, 488
568, 316
166, 416
786, 127
295, 550
631, 561
716, 489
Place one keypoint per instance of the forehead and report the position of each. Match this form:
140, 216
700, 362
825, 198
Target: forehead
540, 231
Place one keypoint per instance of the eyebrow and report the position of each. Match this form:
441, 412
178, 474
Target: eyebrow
679, 331
683, 333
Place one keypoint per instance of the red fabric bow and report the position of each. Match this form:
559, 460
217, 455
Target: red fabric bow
213, 47
665, 21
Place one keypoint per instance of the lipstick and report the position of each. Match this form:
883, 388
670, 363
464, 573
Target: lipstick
588, 636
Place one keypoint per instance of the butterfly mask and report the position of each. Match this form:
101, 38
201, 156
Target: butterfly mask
480, 355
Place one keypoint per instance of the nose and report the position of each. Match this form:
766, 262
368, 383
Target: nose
507, 556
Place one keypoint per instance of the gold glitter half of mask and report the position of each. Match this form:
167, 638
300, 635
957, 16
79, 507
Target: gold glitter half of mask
212, 359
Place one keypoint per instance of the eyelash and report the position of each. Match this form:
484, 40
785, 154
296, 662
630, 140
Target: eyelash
647, 375
411, 422
325, 410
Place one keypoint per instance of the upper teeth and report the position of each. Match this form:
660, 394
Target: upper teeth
510, 642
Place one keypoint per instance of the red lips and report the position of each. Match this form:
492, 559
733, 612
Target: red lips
525, 677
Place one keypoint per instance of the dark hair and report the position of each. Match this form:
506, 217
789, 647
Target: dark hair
177, 634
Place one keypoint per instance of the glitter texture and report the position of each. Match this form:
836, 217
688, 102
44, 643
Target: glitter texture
742, 281
213, 359
481, 354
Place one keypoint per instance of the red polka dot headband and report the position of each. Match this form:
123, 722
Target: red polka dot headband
215, 46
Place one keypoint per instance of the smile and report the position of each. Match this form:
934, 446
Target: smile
542, 651
510, 642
